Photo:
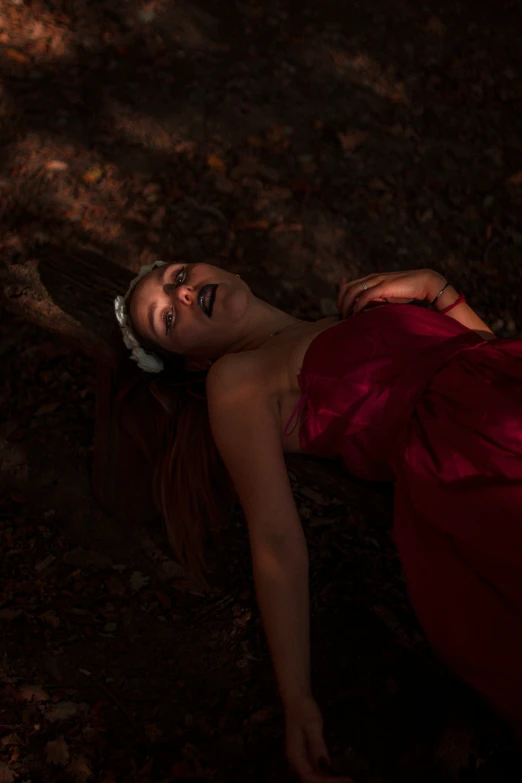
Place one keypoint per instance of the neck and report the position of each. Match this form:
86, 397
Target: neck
266, 322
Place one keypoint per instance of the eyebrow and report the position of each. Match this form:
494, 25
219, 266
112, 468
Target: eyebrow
154, 306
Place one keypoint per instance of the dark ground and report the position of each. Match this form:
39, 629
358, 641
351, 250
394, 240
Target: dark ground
289, 141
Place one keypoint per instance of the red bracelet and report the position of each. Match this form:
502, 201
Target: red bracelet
458, 301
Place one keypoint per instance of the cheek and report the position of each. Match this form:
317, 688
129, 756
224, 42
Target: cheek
235, 303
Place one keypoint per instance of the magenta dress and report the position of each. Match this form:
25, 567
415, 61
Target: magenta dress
405, 394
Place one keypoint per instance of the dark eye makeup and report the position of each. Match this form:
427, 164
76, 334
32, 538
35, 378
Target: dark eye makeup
179, 277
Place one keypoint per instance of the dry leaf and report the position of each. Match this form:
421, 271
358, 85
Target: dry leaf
516, 179
153, 732
62, 711
91, 176
435, 26
277, 134
79, 769
350, 141
56, 165
137, 580
261, 715
11, 739
57, 752
30, 692
42, 565
17, 57
216, 164
83, 558
6, 775
252, 225
49, 407
163, 598
51, 618
255, 141
186, 146
10, 614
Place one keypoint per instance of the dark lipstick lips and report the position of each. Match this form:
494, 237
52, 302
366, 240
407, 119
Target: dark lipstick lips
212, 299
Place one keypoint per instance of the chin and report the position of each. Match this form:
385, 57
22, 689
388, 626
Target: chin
235, 303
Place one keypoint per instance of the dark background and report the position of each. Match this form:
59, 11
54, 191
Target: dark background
291, 142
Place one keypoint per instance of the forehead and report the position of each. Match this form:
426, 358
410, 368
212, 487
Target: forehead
143, 295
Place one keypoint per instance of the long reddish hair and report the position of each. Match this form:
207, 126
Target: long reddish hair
168, 419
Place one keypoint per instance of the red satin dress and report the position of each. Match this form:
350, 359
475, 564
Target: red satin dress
407, 394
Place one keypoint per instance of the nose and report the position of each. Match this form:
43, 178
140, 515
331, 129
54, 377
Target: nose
182, 293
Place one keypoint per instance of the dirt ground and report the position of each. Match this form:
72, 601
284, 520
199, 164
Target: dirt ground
291, 142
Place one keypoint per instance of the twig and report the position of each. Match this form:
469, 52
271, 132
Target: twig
116, 701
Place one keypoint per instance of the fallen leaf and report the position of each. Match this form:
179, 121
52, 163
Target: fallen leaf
216, 164
6, 775
181, 769
56, 165
42, 565
49, 407
252, 225
51, 618
79, 769
10, 614
87, 557
277, 134
92, 176
11, 739
153, 732
33, 692
57, 752
137, 580
435, 26
163, 598
62, 711
255, 141
17, 57
350, 141
261, 715
516, 179
186, 146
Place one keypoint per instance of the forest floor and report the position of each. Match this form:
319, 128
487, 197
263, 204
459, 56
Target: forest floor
291, 142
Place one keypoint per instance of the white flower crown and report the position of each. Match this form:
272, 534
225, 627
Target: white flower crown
146, 360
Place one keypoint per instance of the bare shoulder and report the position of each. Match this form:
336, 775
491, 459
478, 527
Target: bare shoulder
236, 372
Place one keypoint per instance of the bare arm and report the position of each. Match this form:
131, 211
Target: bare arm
245, 427
421, 284
462, 313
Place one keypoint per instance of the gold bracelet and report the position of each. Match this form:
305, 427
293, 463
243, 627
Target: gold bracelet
439, 294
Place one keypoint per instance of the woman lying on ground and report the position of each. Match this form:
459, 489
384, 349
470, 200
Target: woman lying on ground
427, 398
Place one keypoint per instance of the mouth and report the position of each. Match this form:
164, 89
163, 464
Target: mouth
206, 298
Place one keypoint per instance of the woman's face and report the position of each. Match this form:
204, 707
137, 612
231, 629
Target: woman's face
190, 309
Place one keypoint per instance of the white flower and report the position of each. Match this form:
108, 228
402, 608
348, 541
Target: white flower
146, 360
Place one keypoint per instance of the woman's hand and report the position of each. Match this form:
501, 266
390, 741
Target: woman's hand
397, 287
305, 746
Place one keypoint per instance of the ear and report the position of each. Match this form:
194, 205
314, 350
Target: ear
197, 364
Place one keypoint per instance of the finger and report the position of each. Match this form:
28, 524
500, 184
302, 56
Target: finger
347, 296
360, 287
371, 294
317, 749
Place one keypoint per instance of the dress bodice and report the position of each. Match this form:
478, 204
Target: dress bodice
361, 379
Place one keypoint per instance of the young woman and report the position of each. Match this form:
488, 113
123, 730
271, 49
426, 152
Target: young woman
427, 398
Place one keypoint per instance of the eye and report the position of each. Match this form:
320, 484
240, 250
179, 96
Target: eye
180, 276
168, 321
